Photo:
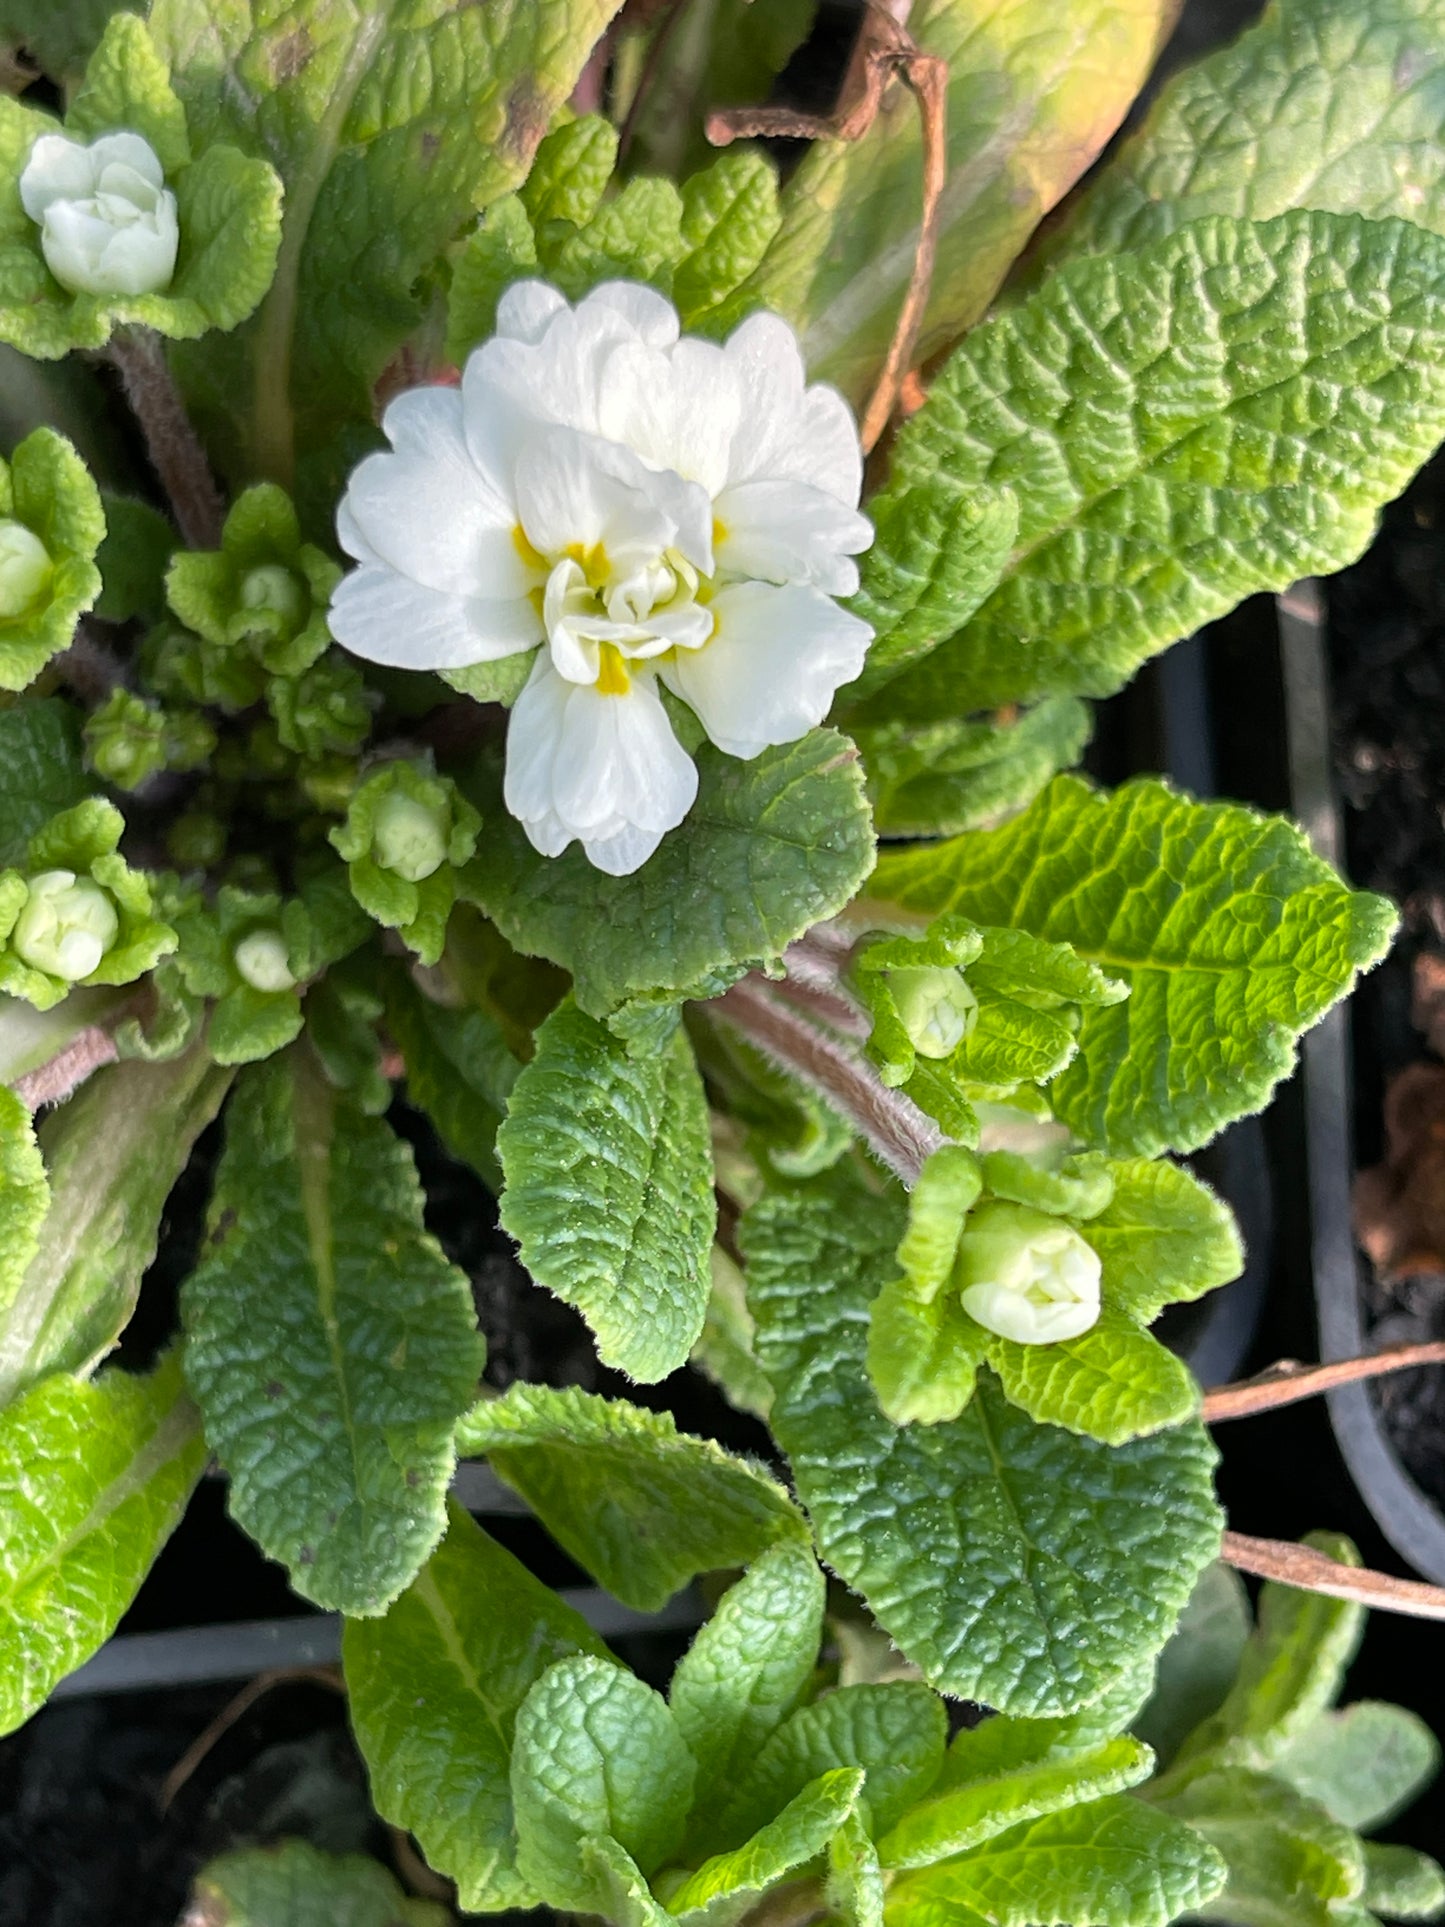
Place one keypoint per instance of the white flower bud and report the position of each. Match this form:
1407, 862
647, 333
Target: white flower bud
262, 961
67, 925
107, 219
407, 838
1027, 1276
936, 1007
25, 569
272, 586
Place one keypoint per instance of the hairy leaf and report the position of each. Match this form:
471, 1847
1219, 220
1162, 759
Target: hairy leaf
937, 778
1363, 1763
294, 1884
459, 1070
723, 1888
40, 771
1197, 1668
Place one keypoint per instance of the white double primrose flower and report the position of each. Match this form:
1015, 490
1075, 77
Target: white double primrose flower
107, 219
1027, 1276
650, 509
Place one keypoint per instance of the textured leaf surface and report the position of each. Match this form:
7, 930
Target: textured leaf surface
1034, 92
1333, 104
40, 771
459, 1069
24, 1198
1222, 412
1233, 936
937, 778
1287, 1859
434, 1688
609, 1187
770, 848
293, 1884
722, 1888
1162, 1238
1112, 1863
330, 1344
1197, 1668
1363, 1763
93, 1481
1113, 1383
643, 1507
1014, 1563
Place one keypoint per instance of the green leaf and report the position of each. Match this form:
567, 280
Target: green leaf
113, 1153
1163, 1237
434, 1688
1113, 1383
329, 1343
747, 1668
24, 1201
609, 1187
1111, 1863
459, 1069
47, 489
40, 771
1233, 936
139, 542
770, 848
939, 777
294, 1884
1289, 1673
1403, 1884
388, 121
724, 1352
501, 249
571, 172
1219, 413
636, 236
1333, 104
1035, 1567
127, 85
729, 216
642, 1506
596, 1753
856, 1890
1197, 1668
895, 1731
723, 1888
93, 1481
1363, 1764
963, 1816
1033, 94
59, 35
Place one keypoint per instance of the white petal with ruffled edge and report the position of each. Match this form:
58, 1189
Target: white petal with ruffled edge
790, 532
387, 618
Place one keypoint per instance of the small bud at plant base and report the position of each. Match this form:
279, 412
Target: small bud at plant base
66, 927
107, 219
274, 587
25, 569
935, 1006
407, 838
1027, 1276
262, 961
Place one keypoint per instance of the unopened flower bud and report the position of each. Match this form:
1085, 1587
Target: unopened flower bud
1027, 1276
25, 569
107, 219
262, 960
935, 1006
408, 838
275, 588
67, 925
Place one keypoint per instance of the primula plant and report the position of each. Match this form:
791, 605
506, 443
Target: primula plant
512, 608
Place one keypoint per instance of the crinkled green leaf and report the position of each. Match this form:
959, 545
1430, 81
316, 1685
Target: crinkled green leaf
935, 778
1013, 1563
329, 1343
1163, 1237
127, 85
1114, 1382
723, 1889
729, 216
1033, 94
1197, 1668
771, 847
1110, 1863
856, 1890
40, 770
1332, 104
434, 1688
1221, 412
294, 1884
459, 1070
1363, 1763
501, 249
1233, 936
596, 1754
642, 1506
93, 1481
636, 236
24, 1199
1403, 1884
609, 1187
747, 1667
48, 490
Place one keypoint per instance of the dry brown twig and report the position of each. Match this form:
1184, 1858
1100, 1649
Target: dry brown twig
1310, 1571
253, 1690
885, 51
1288, 1381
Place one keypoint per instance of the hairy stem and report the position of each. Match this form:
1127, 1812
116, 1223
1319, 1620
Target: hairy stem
1288, 1381
171, 442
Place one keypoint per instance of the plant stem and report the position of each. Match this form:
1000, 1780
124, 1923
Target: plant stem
171, 442
53, 1082
1310, 1571
1288, 1381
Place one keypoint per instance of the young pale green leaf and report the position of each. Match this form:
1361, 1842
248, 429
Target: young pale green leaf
1013, 1563
729, 216
1163, 1237
93, 1481
1233, 936
113, 1152
895, 1731
294, 1884
41, 772
329, 1343
24, 1200
1289, 1673
1034, 92
1197, 1668
1403, 1884
771, 847
570, 172
1363, 1763
643, 1507
609, 1187
963, 1816
47, 494
1114, 1382
747, 1668
855, 1890
434, 1688
459, 1070
636, 236
501, 249
1219, 413
597, 1754
940, 777
724, 1888
1333, 104
1110, 1863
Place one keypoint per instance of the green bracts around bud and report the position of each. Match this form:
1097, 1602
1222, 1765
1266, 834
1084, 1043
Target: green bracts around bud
263, 593
407, 833
51, 525
935, 1006
128, 740
1026, 1276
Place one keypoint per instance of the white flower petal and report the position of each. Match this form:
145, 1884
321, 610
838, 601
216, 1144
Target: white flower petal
649, 316
625, 850
678, 409
790, 532
1011, 1315
577, 492
384, 617
789, 433
127, 150
434, 519
777, 657
57, 169
526, 308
